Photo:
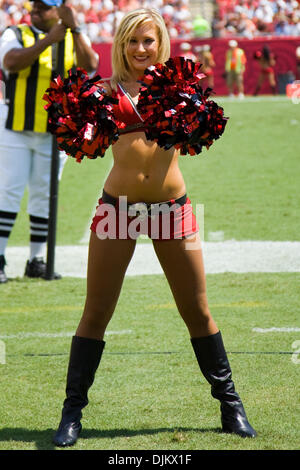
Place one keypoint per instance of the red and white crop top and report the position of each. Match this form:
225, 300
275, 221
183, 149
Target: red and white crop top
126, 113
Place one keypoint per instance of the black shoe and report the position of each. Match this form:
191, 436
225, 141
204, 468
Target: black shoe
84, 360
234, 419
3, 277
213, 362
37, 268
67, 433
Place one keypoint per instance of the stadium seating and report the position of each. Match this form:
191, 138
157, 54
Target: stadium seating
243, 18
251, 18
99, 18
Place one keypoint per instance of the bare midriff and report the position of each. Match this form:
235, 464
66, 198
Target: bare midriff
142, 171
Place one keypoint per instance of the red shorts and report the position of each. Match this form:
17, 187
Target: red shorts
117, 219
209, 71
267, 70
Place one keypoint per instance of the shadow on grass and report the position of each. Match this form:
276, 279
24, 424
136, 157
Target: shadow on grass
43, 439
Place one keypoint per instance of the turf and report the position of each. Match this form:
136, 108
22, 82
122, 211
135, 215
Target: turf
247, 181
149, 392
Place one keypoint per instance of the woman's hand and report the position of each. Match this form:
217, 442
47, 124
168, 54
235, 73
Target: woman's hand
107, 88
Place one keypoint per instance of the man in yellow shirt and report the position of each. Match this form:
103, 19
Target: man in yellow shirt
235, 65
28, 59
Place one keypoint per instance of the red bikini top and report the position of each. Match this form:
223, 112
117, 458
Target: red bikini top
127, 116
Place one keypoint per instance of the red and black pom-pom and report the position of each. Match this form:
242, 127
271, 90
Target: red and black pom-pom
176, 110
80, 114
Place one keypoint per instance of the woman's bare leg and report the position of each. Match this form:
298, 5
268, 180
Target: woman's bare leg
107, 264
259, 83
184, 270
272, 82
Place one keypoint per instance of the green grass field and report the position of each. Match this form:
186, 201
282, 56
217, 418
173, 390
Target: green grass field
149, 392
248, 180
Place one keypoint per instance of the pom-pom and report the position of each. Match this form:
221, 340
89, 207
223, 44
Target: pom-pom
175, 109
80, 114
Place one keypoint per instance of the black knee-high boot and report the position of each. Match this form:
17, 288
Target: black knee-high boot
84, 360
214, 365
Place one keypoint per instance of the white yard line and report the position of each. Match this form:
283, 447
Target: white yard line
252, 99
274, 329
219, 257
63, 334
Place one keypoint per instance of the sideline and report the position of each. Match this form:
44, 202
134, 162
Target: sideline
219, 257
253, 99
62, 334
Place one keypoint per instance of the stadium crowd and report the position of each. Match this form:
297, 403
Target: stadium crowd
99, 18
251, 18
243, 18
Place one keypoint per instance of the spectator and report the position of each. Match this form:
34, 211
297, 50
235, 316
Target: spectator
218, 25
294, 25
264, 11
101, 17
245, 27
201, 27
265, 15
281, 27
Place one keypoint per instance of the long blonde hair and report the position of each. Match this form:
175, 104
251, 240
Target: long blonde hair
129, 23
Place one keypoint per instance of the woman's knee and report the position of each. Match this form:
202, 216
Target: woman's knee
99, 312
196, 315
94, 322
196, 311
93, 326
199, 322
196, 304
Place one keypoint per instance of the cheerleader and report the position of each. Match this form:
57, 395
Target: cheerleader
144, 178
266, 60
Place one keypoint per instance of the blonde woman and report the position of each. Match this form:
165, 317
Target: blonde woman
142, 171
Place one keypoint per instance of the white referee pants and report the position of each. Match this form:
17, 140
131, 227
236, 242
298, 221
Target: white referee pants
25, 159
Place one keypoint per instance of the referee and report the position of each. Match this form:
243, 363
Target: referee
28, 60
